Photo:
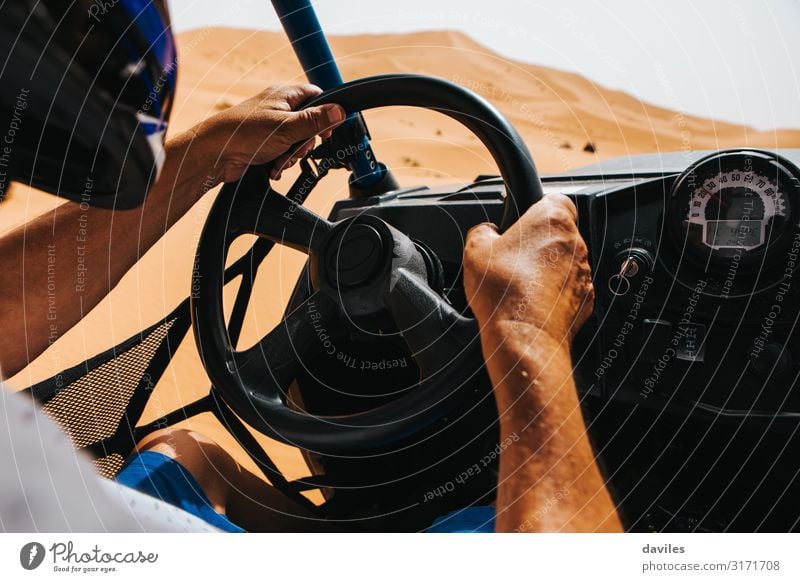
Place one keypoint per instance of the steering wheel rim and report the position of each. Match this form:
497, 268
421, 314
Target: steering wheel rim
250, 206
501, 139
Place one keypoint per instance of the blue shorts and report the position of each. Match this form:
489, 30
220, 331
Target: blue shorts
164, 478
160, 476
477, 519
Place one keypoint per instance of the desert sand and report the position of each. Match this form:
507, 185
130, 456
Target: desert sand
558, 114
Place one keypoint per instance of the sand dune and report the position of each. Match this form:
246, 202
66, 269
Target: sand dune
558, 114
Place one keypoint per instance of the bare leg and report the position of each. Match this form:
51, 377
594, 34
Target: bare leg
231, 489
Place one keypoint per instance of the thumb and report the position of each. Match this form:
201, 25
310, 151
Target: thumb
307, 123
481, 236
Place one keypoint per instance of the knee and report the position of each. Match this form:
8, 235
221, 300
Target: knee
210, 465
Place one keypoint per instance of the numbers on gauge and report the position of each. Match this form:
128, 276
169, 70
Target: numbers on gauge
734, 209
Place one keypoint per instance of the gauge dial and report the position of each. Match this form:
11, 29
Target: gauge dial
734, 209
732, 206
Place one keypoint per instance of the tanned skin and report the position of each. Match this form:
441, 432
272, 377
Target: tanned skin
531, 290
256, 131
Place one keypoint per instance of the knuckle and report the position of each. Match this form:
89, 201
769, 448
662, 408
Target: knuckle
560, 218
471, 250
311, 120
590, 293
479, 236
564, 202
474, 257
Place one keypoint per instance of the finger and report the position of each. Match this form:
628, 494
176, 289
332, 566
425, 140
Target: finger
552, 209
307, 123
305, 148
290, 158
296, 95
562, 202
279, 165
482, 236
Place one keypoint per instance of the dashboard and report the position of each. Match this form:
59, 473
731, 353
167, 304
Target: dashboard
695, 258
688, 369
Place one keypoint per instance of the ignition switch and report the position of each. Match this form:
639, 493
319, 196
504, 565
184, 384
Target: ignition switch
630, 266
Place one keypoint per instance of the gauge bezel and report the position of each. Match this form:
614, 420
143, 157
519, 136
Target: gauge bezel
702, 258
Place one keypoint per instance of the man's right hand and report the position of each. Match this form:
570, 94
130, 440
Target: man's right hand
531, 290
535, 274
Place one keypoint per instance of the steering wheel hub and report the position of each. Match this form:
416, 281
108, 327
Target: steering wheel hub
355, 255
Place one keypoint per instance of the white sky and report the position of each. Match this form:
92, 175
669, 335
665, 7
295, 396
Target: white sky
734, 60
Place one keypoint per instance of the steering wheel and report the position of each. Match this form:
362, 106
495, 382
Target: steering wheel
362, 269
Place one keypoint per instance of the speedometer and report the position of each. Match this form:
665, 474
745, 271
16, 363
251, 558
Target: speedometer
732, 206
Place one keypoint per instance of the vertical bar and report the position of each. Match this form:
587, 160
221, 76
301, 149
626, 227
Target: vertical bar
311, 47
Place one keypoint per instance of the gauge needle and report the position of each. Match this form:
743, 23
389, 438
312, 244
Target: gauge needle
714, 196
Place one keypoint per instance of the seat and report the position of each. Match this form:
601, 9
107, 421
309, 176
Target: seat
99, 402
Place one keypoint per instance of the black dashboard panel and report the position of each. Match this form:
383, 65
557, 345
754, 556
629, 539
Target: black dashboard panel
689, 378
668, 340
681, 337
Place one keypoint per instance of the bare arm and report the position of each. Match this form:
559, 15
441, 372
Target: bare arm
531, 291
59, 266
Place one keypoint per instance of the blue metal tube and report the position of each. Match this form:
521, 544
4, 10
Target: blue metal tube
311, 47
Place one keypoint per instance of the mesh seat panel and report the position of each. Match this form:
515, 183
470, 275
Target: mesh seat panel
109, 465
91, 408
98, 402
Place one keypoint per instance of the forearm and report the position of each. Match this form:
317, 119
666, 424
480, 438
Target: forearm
549, 480
60, 265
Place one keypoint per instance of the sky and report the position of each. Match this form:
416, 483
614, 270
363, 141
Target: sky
732, 60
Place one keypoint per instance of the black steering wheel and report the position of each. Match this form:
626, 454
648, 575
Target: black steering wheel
362, 269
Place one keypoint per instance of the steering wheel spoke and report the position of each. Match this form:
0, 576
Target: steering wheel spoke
280, 220
267, 368
435, 332
300, 228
